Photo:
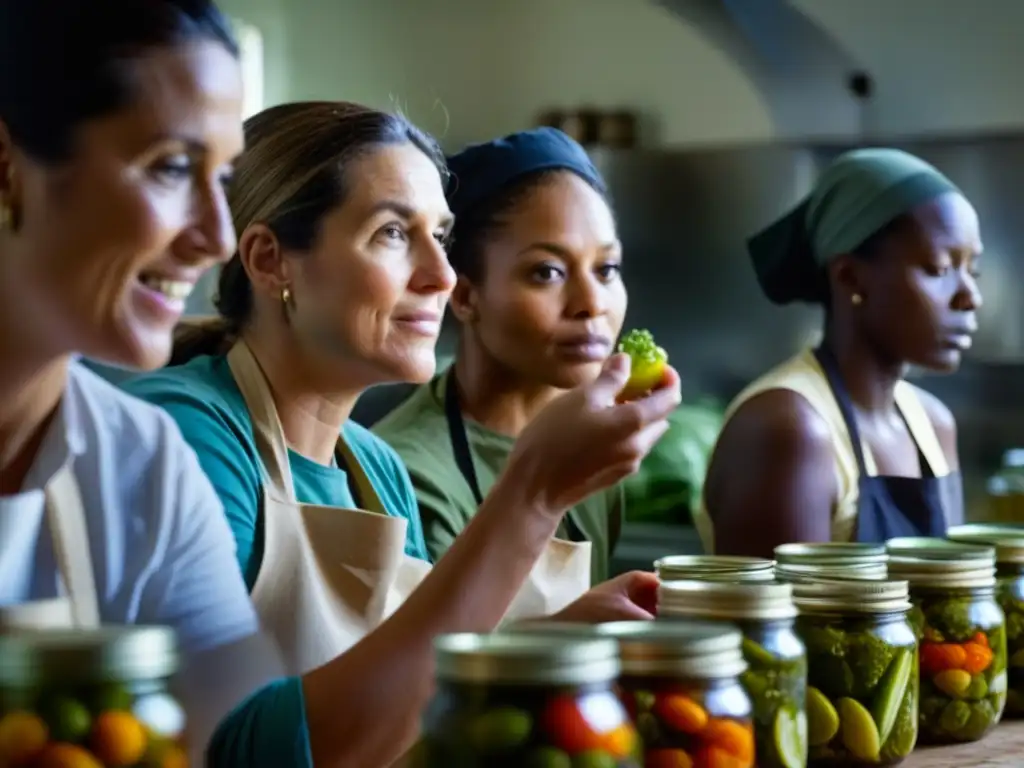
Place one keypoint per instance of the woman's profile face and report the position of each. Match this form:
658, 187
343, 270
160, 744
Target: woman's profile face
109, 244
920, 293
550, 302
369, 298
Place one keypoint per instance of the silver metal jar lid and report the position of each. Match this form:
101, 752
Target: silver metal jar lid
939, 563
675, 648
859, 596
753, 601
1008, 540
131, 653
526, 658
714, 568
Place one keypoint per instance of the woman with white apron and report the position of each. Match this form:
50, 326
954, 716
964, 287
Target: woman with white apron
834, 444
339, 284
540, 301
105, 225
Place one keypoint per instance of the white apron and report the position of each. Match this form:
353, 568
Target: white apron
330, 575
78, 608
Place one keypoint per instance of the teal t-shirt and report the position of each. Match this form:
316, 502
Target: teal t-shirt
205, 401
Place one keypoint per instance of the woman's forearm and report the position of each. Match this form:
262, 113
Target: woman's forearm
363, 708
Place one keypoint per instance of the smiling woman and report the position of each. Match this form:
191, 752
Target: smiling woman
111, 207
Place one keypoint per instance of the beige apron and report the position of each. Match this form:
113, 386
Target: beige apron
79, 606
330, 575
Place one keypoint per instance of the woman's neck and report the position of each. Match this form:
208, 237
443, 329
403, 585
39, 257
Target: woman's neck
493, 396
31, 387
869, 378
311, 412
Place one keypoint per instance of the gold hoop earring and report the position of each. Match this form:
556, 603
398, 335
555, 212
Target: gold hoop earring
286, 297
857, 299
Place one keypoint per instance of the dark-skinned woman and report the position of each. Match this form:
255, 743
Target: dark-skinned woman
835, 444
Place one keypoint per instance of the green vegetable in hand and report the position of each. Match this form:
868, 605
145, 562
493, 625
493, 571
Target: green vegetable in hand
648, 363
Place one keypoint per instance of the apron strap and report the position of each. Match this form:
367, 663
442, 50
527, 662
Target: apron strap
65, 516
464, 457
270, 440
921, 429
366, 495
266, 426
830, 366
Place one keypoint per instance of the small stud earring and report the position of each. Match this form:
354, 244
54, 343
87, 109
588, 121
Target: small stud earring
857, 299
286, 296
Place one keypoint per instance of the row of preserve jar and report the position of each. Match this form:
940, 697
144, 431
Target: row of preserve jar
824, 654
832, 655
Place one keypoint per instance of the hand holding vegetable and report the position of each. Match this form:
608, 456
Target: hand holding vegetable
648, 363
585, 441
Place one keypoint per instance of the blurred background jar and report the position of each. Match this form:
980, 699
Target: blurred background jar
90, 698
1006, 489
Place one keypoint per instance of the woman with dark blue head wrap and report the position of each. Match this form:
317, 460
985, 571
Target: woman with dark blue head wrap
834, 445
540, 301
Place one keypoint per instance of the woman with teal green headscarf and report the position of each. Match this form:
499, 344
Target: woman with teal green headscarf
834, 444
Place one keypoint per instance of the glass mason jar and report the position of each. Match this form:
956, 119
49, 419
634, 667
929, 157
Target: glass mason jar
1009, 543
680, 684
510, 700
776, 674
862, 683
962, 634
89, 699
714, 568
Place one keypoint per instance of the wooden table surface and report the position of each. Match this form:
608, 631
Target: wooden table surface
1003, 748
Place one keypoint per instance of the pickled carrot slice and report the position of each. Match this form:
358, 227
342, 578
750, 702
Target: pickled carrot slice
681, 713
732, 736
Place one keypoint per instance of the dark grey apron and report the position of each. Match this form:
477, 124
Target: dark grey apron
888, 507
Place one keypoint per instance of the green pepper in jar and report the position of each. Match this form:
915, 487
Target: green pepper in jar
862, 694
776, 687
963, 672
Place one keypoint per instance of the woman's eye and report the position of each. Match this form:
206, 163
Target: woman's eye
175, 167
610, 271
546, 273
392, 233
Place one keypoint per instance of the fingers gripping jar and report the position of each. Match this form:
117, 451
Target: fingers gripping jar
962, 633
776, 674
90, 699
862, 684
1009, 543
524, 701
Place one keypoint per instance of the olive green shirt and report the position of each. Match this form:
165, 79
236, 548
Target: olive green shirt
418, 431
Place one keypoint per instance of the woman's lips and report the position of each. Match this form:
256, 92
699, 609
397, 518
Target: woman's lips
586, 348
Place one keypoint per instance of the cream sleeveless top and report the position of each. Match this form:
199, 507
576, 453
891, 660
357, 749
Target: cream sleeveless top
802, 374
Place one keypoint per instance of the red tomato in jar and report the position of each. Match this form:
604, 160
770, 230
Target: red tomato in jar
568, 729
